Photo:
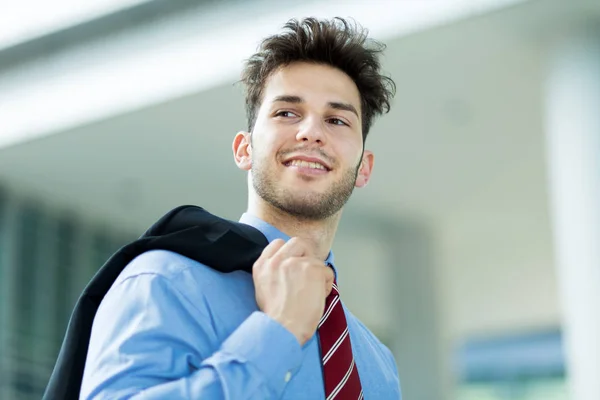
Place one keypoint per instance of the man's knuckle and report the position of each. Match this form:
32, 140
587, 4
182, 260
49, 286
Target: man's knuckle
288, 263
276, 260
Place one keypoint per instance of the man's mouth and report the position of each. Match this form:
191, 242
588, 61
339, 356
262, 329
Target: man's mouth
306, 164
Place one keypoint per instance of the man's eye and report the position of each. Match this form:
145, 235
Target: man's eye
285, 114
337, 121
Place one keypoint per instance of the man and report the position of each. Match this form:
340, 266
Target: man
173, 328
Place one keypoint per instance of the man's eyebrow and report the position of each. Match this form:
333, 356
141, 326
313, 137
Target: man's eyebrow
344, 107
289, 99
333, 104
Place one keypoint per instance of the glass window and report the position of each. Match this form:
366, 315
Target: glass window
4, 302
516, 367
25, 377
3, 244
66, 249
102, 249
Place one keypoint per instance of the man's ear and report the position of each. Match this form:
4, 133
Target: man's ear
365, 169
242, 150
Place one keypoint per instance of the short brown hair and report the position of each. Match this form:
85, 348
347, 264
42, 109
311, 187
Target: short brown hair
332, 42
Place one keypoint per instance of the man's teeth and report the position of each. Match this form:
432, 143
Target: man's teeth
306, 164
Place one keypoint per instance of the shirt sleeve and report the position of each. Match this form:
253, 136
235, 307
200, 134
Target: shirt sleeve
394, 368
149, 341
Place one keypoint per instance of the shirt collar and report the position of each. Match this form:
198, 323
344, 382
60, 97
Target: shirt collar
272, 233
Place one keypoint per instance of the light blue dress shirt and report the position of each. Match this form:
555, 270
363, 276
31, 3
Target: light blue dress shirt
172, 328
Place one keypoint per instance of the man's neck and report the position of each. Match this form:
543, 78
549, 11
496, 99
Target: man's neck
321, 233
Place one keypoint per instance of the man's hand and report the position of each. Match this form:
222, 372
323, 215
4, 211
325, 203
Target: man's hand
292, 285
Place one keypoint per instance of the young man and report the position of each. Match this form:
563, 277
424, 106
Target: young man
173, 328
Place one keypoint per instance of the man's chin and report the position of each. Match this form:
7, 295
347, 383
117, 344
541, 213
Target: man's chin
302, 204
305, 211
306, 186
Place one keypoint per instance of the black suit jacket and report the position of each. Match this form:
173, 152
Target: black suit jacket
188, 230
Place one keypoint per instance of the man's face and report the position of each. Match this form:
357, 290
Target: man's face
306, 146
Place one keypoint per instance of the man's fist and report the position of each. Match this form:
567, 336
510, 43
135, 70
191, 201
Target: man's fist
292, 285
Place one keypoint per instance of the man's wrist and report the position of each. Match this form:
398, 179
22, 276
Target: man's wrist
301, 336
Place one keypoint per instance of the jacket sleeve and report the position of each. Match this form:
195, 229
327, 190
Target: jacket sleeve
149, 341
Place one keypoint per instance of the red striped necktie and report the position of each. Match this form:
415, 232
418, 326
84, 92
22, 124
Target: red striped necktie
339, 370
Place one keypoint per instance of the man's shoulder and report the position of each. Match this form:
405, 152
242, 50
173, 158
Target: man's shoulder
165, 263
183, 272
174, 267
185, 281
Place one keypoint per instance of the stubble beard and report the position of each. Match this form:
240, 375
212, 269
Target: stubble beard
308, 205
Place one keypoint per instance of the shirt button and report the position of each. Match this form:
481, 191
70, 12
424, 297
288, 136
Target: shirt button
288, 376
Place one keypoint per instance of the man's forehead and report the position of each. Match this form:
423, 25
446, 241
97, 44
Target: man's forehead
308, 80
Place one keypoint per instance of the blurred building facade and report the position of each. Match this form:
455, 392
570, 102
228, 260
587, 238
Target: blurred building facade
48, 256
454, 255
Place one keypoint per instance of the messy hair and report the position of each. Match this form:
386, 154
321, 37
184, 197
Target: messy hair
336, 43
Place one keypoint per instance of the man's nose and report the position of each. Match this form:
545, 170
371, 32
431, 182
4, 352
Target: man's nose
311, 130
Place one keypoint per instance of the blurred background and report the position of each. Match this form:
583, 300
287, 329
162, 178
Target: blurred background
474, 252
